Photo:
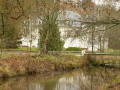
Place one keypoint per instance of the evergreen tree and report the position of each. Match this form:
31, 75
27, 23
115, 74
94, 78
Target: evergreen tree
49, 32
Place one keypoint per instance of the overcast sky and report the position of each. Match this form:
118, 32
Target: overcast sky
101, 2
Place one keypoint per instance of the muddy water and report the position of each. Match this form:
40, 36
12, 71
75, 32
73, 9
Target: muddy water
82, 79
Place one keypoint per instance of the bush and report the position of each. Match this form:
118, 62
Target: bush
73, 49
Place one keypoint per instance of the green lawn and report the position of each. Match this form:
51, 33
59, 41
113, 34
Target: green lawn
27, 48
114, 51
22, 48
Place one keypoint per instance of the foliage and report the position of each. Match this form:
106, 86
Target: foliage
73, 49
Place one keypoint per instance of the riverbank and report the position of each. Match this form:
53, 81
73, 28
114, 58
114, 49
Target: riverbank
104, 60
26, 64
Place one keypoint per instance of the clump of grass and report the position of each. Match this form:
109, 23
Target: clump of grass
92, 61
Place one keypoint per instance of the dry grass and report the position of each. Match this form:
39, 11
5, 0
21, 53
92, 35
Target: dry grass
20, 65
105, 59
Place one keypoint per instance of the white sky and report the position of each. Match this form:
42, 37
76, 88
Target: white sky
98, 2
118, 4
104, 2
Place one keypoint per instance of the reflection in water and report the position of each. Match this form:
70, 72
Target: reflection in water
83, 79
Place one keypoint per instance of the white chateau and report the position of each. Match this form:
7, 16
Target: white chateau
32, 38
67, 29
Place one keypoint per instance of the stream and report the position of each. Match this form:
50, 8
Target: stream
81, 79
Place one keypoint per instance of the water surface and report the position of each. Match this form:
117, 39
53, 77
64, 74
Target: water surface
82, 79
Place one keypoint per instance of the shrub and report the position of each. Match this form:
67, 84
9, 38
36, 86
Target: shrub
73, 49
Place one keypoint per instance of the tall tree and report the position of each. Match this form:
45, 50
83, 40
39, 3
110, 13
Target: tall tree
49, 32
11, 12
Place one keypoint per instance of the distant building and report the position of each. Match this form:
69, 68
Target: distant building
67, 32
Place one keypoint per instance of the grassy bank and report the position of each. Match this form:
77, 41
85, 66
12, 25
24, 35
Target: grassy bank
26, 64
104, 60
